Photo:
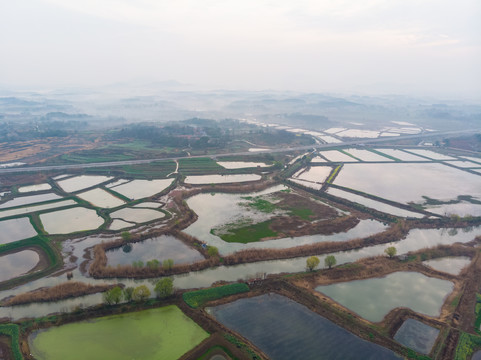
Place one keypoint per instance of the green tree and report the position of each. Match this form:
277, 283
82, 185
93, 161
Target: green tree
330, 261
126, 236
138, 264
312, 262
212, 251
391, 251
164, 287
141, 293
127, 293
112, 296
168, 264
153, 264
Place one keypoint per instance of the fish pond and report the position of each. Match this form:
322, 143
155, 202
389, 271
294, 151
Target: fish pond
33, 208
374, 298
27, 200
451, 264
139, 189
16, 229
81, 182
163, 333
294, 331
70, 220
17, 264
220, 179
137, 215
36, 187
101, 198
417, 336
373, 204
400, 181
160, 248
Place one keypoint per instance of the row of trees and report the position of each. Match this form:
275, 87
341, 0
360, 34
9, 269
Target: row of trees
163, 288
154, 264
313, 261
330, 260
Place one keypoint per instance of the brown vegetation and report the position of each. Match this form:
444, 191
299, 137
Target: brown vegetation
55, 293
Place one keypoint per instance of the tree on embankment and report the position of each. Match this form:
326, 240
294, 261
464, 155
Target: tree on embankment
330, 261
391, 251
312, 262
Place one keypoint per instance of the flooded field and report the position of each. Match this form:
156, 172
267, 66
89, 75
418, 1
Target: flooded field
366, 155
149, 204
462, 209
217, 209
337, 156
430, 154
163, 333
32, 188
399, 181
137, 215
220, 179
82, 182
118, 224
400, 155
139, 189
355, 133
101, 198
17, 264
16, 229
372, 299
316, 174
35, 208
373, 204
417, 336
70, 220
284, 329
240, 164
27, 200
161, 248
452, 264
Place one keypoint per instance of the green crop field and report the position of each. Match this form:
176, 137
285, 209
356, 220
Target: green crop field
163, 333
198, 298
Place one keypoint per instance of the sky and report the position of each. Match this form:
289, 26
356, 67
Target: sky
430, 47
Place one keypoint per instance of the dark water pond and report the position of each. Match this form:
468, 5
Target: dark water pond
417, 336
284, 329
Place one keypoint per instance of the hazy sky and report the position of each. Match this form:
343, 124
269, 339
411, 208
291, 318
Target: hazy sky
392, 46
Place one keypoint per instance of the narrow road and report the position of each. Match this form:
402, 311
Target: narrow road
246, 153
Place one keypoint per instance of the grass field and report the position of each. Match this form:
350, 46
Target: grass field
163, 333
199, 166
198, 298
249, 233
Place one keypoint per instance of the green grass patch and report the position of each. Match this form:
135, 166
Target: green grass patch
162, 333
333, 174
477, 310
262, 205
12, 331
199, 166
467, 343
303, 213
198, 298
249, 233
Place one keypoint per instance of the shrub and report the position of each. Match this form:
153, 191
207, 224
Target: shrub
164, 287
141, 293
